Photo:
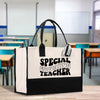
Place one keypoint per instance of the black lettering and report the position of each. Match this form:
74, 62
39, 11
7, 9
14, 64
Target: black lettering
63, 60
50, 74
46, 61
41, 73
55, 61
45, 74
66, 59
68, 71
50, 61
42, 62
54, 72
63, 71
58, 60
58, 71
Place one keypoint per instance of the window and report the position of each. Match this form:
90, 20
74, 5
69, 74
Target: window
97, 6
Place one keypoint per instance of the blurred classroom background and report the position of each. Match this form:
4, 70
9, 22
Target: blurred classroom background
79, 19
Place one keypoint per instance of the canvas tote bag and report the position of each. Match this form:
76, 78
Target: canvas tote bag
44, 70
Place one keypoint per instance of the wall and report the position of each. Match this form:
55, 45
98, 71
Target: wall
2, 13
74, 6
72, 38
21, 15
46, 10
44, 13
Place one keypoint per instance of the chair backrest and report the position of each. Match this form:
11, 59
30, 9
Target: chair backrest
82, 46
99, 46
6, 52
12, 44
1, 39
22, 41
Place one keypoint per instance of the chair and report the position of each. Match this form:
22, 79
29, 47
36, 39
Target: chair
1, 39
99, 46
82, 46
13, 44
23, 41
6, 52
2, 71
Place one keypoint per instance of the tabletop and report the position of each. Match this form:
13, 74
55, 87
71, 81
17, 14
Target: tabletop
94, 50
89, 93
16, 42
5, 57
90, 43
8, 47
22, 38
15, 38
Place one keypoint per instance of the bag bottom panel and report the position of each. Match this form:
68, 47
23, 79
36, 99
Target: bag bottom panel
54, 85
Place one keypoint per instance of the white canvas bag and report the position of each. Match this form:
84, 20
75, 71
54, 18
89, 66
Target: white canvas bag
42, 70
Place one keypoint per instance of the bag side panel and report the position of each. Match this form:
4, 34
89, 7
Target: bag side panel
21, 70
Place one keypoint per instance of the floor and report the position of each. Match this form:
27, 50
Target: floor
95, 80
88, 93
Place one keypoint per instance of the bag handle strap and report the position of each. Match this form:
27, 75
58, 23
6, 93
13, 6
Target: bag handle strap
42, 46
41, 26
42, 30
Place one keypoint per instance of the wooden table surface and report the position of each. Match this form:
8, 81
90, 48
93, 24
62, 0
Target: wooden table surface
5, 57
94, 44
14, 38
93, 50
89, 93
8, 47
16, 42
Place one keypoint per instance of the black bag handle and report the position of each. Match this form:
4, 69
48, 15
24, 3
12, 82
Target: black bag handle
42, 46
42, 30
41, 26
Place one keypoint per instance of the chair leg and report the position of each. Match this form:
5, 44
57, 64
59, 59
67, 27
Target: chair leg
11, 76
84, 63
88, 61
3, 79
6, 78
11, 72
93, 61
96, 61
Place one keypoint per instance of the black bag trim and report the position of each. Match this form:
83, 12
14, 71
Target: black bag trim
21, 93
15, 70
42, 50
82, 66
54, 85
26, 67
